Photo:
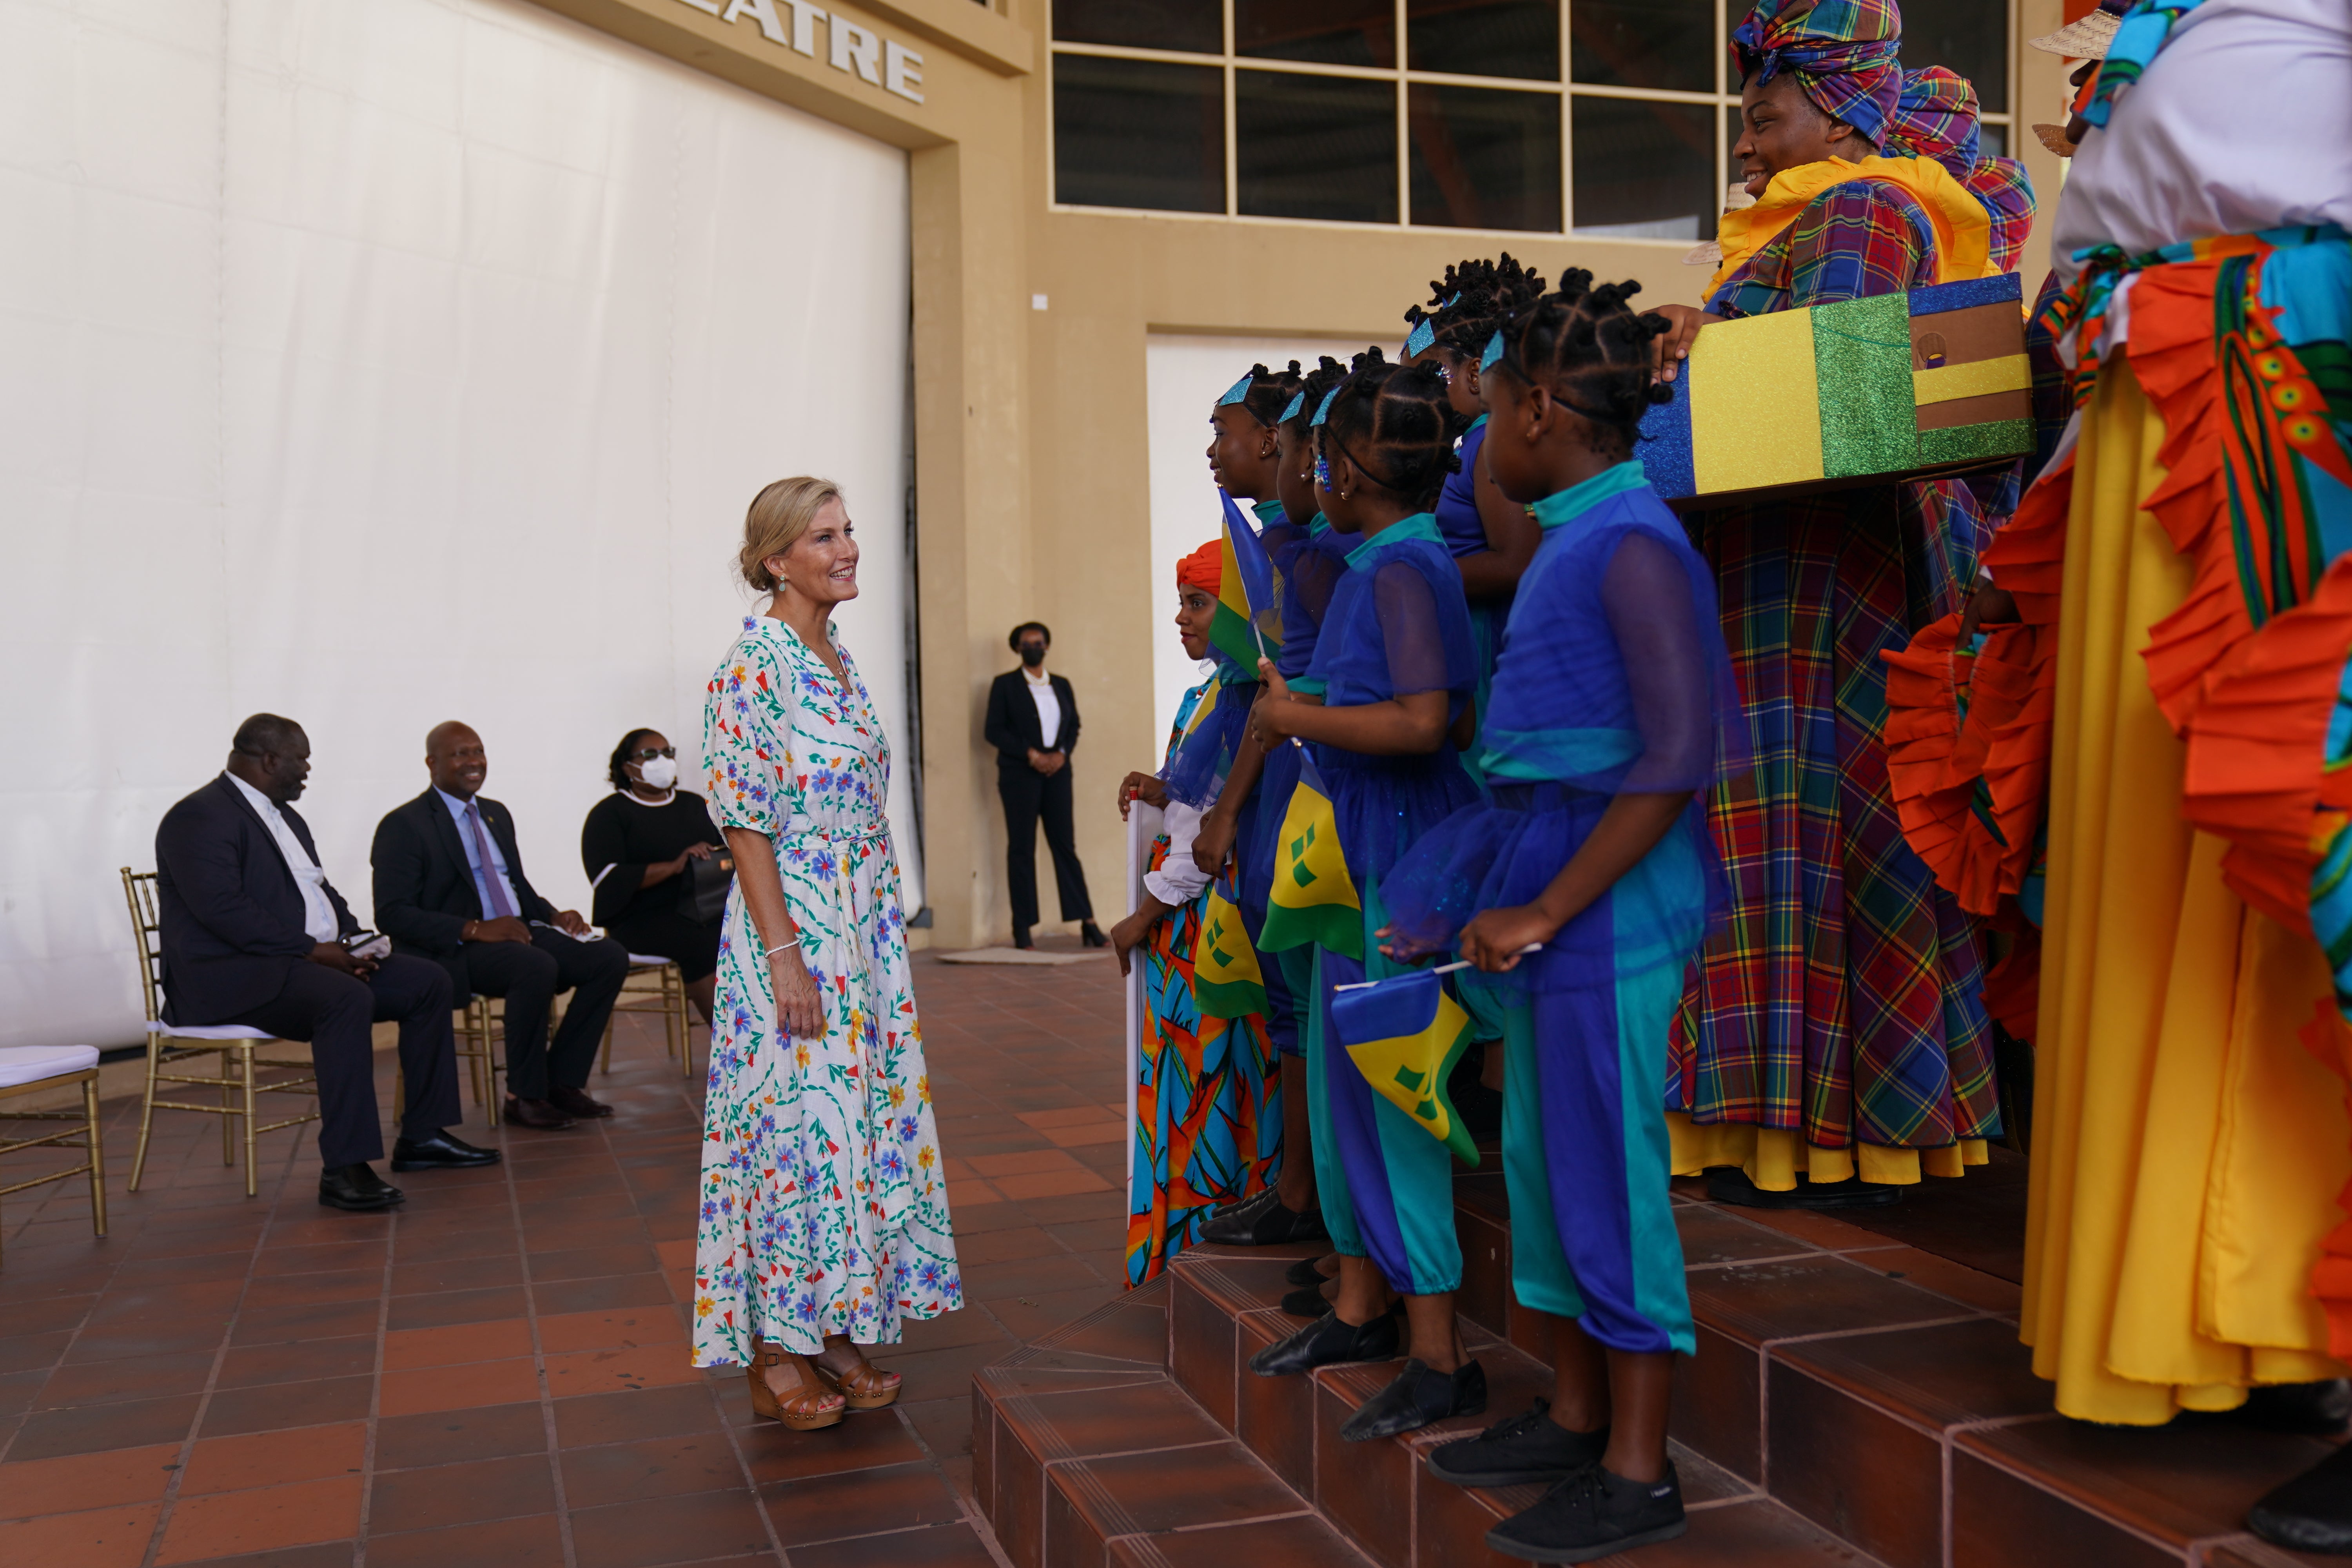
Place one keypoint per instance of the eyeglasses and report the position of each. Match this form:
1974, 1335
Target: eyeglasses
650, 753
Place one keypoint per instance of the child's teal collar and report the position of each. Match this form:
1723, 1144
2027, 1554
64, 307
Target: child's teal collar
1566, 506
1419, 525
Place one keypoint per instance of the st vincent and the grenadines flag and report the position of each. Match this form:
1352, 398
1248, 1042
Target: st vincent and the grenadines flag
1314, 898
1226, 980
1404, 1034
1247, 626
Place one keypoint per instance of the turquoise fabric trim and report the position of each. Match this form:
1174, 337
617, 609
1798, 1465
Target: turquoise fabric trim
1317, 526
1269, 512
1419, 1169
1310, 685
1566, 506
1475, 423
1541, 756
1419, 525
1330, 1170
1647, 1001
1541, 1280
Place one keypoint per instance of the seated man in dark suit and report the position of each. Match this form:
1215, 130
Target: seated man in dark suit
1032, 722
449, 886
253, 935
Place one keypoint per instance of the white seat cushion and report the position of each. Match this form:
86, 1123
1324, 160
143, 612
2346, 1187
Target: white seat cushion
644, 961
30, 1064
214, 1032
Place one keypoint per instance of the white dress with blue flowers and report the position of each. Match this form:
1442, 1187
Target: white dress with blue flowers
824, 1207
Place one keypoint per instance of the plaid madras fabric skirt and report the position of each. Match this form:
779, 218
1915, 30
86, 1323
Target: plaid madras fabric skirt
1841, 998
1208, 1102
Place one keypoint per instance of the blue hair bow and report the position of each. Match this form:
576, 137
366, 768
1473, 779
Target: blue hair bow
1292, 409
1236, 391
1494, 355
1323, 411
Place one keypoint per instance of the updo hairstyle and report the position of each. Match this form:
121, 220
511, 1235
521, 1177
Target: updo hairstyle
779, 515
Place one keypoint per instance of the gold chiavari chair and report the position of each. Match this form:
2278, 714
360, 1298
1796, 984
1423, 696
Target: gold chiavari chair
233, 1046
655, 985
38, 1069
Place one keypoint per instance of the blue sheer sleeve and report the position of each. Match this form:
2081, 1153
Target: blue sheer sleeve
1654, 612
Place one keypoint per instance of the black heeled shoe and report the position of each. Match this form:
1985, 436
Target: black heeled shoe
1415, 1397
1020, 939
1327, 1342
1090, 935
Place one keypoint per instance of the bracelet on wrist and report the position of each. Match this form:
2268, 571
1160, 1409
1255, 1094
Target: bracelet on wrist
782, 947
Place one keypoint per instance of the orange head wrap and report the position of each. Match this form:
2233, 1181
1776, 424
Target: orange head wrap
1203, 569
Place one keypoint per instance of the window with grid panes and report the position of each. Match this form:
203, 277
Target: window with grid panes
1606, 117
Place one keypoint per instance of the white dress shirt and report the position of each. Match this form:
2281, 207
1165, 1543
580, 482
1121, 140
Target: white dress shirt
1049, 707
318, 910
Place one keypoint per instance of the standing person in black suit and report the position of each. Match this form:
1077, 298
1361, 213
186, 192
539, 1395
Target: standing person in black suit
253, 935
449, 886
1032, 722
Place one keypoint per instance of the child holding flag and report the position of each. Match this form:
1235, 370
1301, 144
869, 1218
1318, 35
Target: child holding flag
1610, 697
1393, 669
1207, 1124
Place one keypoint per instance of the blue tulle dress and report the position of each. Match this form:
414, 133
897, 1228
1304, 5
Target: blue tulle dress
1466, 534
1397, 625
1612, 680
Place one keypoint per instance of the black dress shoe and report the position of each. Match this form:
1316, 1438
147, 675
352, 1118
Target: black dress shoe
1307, 1271
1021, 938
576, 1103
443, 1151
1307, 1302
1594, 1514
1090, 935
540, 1113
1527, 1449
1415, 1397
1264, 1221
1327, 1342
2312, 1512
1731, 1185
2313, 1409
359, 1189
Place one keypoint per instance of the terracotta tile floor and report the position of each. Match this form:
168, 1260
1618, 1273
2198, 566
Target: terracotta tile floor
497, 1375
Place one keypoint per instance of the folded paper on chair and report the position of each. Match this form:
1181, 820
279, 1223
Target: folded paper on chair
1864, 392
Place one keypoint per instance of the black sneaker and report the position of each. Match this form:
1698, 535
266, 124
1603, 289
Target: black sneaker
1527, 1449
1307, 1271
1415, 1397
1263, 1221
1594, 1514
2312, 1512
1307, 1303
1327, 1342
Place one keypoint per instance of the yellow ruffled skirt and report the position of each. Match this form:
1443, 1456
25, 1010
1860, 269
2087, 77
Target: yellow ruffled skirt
2187, 1149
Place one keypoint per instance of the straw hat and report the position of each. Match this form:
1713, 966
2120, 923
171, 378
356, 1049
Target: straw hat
2086, 39
1711, 254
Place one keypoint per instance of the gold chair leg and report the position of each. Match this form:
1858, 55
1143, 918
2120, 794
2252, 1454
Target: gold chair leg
146, 1115
252, 1180
228, 1106
97, 1158
674, 981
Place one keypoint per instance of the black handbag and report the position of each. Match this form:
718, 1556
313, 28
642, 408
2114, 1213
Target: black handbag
706, 881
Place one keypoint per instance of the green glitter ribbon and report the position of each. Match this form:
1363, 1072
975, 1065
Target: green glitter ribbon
1861, 362
1962, 442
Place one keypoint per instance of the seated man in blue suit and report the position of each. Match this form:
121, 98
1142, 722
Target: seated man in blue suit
449, 887
253, 935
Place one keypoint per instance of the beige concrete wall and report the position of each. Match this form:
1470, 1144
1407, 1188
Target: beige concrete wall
1031, 464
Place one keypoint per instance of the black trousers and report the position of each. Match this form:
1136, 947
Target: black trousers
334, 1011
529, 976
1031, 797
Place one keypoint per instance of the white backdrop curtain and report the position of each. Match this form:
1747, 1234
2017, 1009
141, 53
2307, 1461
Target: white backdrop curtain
379, 364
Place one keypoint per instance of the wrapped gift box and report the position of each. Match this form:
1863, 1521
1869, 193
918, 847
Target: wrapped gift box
1898, 386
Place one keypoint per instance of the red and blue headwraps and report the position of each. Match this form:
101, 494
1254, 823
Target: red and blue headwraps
1842, 52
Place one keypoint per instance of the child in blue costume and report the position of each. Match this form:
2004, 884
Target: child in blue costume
1612, 701
1490, 537
1385, 703
1310, 558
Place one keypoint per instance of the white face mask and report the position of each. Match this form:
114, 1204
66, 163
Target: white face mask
661, 773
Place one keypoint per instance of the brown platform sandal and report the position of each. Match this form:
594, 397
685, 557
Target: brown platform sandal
806, 1408
865, 1387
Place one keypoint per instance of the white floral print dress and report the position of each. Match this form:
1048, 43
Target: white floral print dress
824, 1207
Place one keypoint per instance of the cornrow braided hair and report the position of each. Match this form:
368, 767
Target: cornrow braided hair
1396, 423
1474, 298
1270, 392
1327, 373
1587, 347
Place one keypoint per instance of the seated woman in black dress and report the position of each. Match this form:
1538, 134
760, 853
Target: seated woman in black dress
636, 845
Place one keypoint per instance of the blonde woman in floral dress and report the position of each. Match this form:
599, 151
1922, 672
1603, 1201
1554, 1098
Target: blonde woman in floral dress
825, 1213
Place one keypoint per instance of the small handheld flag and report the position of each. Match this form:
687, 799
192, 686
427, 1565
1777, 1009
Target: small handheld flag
1404, 1034
1314, 898
1226, 980
1246, 628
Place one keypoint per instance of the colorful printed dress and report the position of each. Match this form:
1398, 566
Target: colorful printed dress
824, 1207
1208, 1102
1834, 1024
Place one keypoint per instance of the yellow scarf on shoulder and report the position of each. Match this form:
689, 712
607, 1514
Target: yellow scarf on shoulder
1963, 227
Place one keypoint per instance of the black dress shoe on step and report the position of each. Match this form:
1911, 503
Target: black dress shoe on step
538, 1113
1263, 1221
443, 1151
1415, 1397
1306, 1302
1327, 1342
1731, 1185
576, 1103
1307, 1271
2312, 1512
359, 1189
1529, 1448
1594, 1514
